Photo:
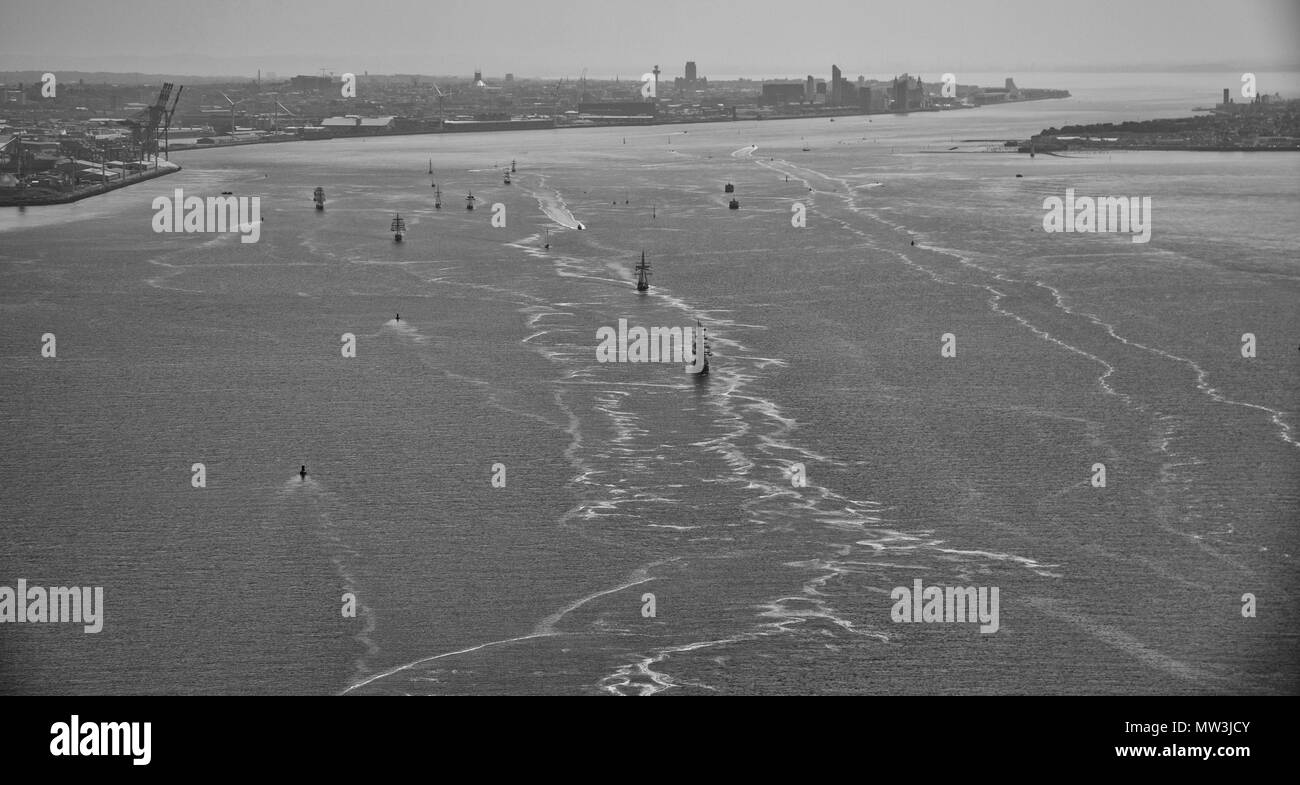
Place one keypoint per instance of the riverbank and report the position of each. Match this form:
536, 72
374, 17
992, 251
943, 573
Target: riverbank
1237, 128
26, 197
595, 122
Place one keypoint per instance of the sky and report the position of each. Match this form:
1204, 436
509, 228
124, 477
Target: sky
553, 38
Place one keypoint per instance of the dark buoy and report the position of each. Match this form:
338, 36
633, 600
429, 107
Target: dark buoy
399, 316
303, 472
914, 242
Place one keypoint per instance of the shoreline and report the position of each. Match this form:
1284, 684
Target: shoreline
85, 193
7, 200
621, 122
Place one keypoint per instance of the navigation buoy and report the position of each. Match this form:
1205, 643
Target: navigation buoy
303, 472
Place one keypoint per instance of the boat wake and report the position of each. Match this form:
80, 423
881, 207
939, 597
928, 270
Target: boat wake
552, 204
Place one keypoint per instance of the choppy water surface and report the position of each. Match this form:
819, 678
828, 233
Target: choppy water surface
623, 480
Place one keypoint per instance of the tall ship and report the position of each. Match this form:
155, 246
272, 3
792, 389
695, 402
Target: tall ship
700, 351
437, 199
642, 274
398, 228
318, 196
469, 201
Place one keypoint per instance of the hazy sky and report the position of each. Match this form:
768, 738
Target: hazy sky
625, 37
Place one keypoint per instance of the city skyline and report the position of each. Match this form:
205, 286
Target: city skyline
292, 37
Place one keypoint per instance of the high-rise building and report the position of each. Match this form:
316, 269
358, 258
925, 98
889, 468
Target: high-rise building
907, 95
836, 89
775, 93
692, 82
809, 89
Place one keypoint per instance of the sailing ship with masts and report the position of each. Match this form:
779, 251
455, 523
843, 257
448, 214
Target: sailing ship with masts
643, 274
318, 196
398, 227
700, 351
469, 201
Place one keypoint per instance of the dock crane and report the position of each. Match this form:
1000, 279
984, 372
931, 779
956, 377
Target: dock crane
279, 107
144, 126
167, 123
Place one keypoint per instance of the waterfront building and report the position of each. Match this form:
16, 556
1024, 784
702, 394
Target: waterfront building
777, 93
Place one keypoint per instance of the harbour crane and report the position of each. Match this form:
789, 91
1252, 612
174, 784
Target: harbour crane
167, 124
144, 126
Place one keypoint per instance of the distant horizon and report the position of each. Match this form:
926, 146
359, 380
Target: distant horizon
665, 76
766, 38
